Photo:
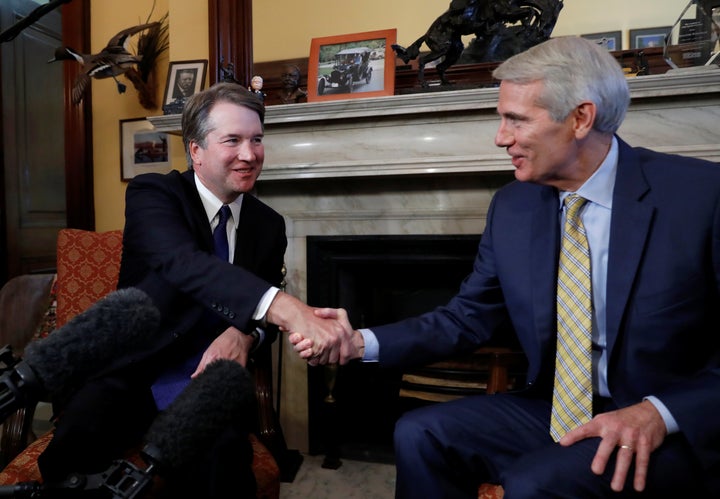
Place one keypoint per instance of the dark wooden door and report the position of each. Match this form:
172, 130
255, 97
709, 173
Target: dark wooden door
33, 140
46, 172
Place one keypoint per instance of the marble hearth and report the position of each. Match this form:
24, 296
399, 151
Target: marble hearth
425, 164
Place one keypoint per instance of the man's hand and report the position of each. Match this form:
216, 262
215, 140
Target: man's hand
634, 431
232, 344
328, 340
353, 345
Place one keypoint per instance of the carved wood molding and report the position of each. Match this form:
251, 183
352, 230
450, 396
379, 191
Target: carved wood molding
230, 31
80, 203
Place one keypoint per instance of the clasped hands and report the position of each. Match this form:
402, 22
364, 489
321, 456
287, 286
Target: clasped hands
319, 335
337, 343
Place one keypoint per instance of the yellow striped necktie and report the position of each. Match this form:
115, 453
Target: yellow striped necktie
572, 393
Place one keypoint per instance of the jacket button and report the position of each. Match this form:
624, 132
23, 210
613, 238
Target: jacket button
231, 315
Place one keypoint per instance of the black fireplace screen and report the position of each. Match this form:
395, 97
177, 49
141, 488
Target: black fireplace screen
378, 279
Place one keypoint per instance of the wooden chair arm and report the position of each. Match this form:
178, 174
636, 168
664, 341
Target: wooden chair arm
269, 430
24, 300
486, 370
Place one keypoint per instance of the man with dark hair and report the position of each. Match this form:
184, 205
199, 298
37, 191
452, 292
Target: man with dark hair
210, 255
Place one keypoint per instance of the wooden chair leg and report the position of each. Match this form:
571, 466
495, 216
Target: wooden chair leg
16, 434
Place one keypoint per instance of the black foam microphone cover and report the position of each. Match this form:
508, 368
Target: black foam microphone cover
120, 322
222, 395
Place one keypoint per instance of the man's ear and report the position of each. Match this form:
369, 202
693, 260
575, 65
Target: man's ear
584, 118
194, 149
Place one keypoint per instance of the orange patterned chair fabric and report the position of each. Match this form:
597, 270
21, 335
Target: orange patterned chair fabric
489, 491
88, 266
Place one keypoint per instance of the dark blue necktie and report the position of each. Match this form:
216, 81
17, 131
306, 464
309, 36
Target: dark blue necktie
222, 249
171, 382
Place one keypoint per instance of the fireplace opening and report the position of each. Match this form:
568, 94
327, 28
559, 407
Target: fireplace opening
377, 279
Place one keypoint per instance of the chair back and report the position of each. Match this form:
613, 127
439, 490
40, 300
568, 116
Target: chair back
88, 267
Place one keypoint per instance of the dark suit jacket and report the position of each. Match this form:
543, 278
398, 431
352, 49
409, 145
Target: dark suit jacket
168, 253
663, 290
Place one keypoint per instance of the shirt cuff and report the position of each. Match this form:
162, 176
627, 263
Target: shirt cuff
264, 305
372, 348
670, 423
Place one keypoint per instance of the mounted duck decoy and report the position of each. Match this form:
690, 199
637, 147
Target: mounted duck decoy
112, 61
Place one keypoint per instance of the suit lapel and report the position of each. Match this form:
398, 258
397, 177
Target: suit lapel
544, 248
245, 247
629, 229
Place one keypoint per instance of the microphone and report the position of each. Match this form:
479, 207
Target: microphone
223, 394
122, 321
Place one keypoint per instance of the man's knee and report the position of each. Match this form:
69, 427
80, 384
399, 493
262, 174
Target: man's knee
410, 432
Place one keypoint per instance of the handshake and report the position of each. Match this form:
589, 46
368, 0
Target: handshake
319, 335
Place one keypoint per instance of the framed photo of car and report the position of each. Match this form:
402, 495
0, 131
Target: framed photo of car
352, 66
142, 149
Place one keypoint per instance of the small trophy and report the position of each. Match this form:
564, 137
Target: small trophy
694, 40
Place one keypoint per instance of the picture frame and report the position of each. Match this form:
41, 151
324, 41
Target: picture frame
648, 37
142, 149
612, 40
352, 66
184, 78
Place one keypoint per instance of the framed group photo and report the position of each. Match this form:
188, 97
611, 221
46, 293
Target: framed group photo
648, 37
184, 78
611, 40
352, 66
142, 149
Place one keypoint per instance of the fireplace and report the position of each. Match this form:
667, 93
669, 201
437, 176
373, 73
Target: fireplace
377, 279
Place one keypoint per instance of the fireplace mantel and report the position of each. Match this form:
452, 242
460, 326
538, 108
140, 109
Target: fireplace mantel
453, 131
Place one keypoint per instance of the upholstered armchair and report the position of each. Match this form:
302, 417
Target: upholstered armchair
32, 306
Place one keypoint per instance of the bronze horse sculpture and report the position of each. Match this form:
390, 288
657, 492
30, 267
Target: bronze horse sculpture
502, 28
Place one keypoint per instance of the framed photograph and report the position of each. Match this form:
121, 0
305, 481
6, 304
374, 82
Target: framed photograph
648, 37
611, 40
352, 66
184, 79
142, 149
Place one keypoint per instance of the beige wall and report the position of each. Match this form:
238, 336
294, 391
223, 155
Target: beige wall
188, 23
282, 30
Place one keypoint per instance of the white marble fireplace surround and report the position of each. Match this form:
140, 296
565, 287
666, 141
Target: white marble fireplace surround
425, 164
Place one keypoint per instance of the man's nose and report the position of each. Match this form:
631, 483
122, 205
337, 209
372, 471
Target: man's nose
246, 151
503, 137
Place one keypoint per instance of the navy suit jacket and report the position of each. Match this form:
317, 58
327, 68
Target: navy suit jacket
168, 253
663, 290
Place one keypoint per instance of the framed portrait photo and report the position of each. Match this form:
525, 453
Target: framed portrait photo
142, 149
648, 37
184, 78
611, 40
352, 66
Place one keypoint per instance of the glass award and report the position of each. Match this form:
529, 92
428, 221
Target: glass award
694, 40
